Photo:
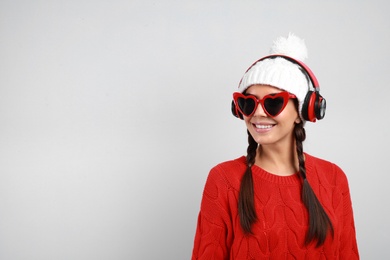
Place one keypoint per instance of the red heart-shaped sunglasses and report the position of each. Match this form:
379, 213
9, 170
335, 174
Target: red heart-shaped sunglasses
272, 104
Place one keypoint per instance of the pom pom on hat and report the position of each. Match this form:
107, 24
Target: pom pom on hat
279, 72
291, 46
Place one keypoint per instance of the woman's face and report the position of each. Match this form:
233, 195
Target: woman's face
268, 130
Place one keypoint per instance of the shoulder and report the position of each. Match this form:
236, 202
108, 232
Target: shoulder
238, 163
227, 173
325, 170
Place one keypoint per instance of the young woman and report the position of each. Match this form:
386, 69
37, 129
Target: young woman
277, 202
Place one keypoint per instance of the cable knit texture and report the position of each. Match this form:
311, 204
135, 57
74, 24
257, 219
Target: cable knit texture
282, 222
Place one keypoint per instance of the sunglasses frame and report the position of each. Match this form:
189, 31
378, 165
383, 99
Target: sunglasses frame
284, 94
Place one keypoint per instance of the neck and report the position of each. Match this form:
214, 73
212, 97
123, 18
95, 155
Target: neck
278, 160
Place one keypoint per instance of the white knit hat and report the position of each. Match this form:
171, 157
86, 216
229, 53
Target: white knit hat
280, 72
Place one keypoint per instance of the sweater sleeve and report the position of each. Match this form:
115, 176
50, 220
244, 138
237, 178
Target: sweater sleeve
348, 243
214, 226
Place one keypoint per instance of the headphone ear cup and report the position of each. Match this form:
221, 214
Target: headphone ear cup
308, 107
320, 107
235, 111
313, 107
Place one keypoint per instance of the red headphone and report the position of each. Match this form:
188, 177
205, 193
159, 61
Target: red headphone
314, 105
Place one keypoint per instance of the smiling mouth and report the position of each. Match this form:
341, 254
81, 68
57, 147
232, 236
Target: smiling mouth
263, 126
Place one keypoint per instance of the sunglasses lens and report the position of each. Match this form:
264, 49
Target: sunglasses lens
274, 105
247, 105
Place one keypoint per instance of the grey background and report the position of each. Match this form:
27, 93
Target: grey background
113, 112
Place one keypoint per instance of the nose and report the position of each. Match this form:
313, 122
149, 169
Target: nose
260, 111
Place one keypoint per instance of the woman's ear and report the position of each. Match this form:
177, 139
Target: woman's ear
298, 120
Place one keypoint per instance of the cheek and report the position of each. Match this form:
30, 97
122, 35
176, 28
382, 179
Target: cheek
291, 109
289, 113
248, 124
247, 120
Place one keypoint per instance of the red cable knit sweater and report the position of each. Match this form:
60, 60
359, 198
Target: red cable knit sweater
280, 230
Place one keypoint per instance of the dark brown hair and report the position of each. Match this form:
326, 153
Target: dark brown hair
319, 222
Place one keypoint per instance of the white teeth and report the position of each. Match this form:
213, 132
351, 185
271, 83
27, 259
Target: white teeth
263, 126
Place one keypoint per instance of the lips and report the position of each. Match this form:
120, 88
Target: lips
262, 126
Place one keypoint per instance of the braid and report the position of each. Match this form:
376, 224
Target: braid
300, 136
319, 222
246, 205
